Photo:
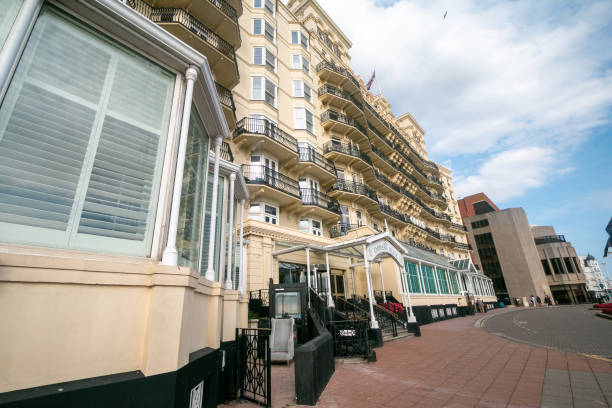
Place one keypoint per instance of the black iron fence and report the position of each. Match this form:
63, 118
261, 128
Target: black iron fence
339, 70
226, 152
225, 97
310, 196
266, 128
350, 338
259, 302
254, 371
341, 229
258, 174
340, 94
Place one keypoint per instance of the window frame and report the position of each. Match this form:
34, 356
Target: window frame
261, 215
297, 125
264, 58
311, 229
300, 37
265, 80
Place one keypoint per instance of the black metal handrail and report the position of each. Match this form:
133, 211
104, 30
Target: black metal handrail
339, 70
308, 154
261, 294
310, 196
346, 148
354, 187
319, 304
225, 8
225, 97
341, 118
549, 238
264, 127
385, 321
259, 174
340, 94
419, 245
180, 16
341, 229
350, 338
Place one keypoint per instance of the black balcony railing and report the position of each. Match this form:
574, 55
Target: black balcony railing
225, 97
310, 196
461, 245
180, 16
226, 152
342, 229
354, 187
257, 174
266, 128
340, 94
415, 244
338, 70
308, 154
393, 213
339, 117
225, 8
458, 226
347, 149
549, 238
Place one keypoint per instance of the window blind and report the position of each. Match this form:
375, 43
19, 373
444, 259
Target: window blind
270, 61
218, 226
270, 93
82, 131
269, 31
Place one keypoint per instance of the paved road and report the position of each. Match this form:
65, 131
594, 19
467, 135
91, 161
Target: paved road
573, 329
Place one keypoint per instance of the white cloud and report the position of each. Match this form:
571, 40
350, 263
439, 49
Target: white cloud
488, 70
494, 78
511, 173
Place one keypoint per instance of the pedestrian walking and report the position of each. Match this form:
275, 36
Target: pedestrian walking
533, 301
480, 305
547, 300
538, 300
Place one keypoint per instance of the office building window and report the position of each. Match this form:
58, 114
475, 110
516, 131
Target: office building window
480, 223
568, 265
546, 267
83, 131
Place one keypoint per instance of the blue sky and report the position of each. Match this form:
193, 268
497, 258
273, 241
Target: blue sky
515, 97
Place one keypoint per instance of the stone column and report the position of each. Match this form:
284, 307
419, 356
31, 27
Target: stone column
373, 322
210, 272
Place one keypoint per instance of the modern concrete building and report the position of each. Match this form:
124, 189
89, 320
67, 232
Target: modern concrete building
561, 266
160, 159
596, 284
505, 251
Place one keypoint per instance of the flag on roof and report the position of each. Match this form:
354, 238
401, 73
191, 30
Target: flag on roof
369, 84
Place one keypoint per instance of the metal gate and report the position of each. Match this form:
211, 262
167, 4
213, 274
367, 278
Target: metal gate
253, 360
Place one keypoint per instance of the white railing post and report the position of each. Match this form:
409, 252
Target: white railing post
382, 282
330, 298
170, 254
373, 322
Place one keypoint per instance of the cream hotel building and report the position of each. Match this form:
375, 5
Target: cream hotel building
162, 160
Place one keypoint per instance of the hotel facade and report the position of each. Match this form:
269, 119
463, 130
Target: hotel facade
162, 159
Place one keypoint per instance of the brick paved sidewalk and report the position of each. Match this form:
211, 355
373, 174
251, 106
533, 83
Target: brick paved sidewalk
455, 364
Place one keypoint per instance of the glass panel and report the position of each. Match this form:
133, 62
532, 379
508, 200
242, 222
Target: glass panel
8, 13
190, 215
295, 37
257, 26
288, 304
258, 56
218, 226
413, 278
82, 131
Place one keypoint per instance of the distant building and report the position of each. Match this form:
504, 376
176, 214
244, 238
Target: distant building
561, 266
596, 284
504, 249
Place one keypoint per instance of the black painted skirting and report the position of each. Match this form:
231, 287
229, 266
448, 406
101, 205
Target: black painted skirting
130, 389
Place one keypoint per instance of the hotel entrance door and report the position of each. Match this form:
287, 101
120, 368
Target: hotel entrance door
337, 285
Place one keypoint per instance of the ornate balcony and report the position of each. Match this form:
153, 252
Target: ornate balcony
218, 14
341, 229
220, 53
340, 100
356, 191
380, 182
229, 109
338, 76
265, 183
332, 120
313, 162
461, 245
252, 133
226, 152
459, 227
396, 215
346, 153
319, 205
